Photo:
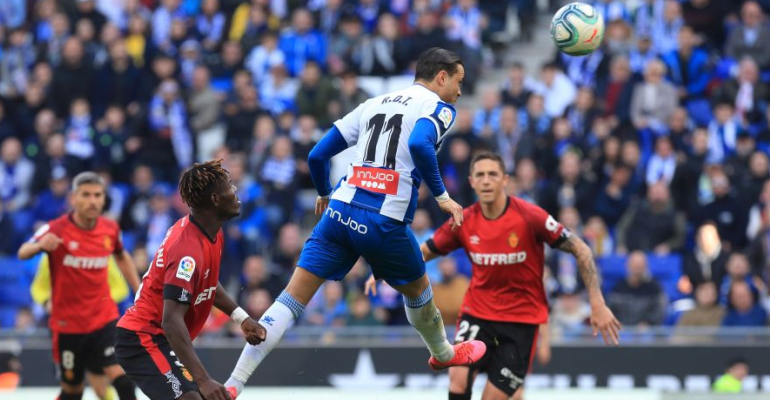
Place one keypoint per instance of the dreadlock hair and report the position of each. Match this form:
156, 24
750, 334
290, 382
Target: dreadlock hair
200, 181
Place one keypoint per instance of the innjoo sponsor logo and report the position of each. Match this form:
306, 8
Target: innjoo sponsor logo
377, 180
349, 222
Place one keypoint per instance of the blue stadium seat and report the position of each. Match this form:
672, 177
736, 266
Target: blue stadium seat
665, 269
7, 317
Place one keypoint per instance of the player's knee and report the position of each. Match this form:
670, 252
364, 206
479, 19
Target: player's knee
125, 388
459, 396
70, 396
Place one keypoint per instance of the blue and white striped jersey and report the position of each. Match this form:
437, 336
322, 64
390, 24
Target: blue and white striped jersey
383, 177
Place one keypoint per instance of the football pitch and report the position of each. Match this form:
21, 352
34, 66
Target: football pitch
393, 394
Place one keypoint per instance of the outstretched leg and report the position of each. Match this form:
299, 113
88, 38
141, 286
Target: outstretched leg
285, 310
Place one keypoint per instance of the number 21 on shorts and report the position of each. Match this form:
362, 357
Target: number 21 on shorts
466, 327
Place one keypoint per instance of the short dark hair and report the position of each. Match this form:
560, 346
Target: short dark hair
435, 60
200, 181
87, 178
488, 155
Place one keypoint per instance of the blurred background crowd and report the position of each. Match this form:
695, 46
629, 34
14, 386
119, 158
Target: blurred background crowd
654, 149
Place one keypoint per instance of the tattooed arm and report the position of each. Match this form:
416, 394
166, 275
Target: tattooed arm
602, 319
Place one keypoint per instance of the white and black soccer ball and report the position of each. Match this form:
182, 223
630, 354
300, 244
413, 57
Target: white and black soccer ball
577, 29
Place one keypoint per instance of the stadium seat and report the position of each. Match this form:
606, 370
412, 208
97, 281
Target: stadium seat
666, 270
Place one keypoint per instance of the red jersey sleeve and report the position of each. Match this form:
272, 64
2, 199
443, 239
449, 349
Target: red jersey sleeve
445, 240
118, 240
547, 229
181, 275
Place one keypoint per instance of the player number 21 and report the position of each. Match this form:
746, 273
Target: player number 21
466, 327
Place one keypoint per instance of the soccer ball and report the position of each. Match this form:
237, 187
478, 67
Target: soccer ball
577, 29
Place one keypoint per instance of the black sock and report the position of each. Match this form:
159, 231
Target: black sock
70, 396
463, 396
125, 388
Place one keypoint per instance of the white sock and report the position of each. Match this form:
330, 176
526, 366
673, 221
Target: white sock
276, 320
426, 319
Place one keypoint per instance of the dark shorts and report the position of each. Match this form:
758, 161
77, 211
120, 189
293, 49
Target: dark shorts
510, 349
149, 361
74, 353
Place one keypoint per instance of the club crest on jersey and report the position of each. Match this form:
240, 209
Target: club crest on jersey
107, 243
513, 240
475, 239
445, 116
74, 245
186, 268
187, 374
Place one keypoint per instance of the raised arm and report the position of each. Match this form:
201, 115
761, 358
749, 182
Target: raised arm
602, 319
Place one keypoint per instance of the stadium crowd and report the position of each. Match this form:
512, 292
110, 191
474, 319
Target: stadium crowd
654, 148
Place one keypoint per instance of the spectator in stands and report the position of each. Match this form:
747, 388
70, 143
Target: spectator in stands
305, 137
739, 270
615, 195
71, 79
510, 139
351, 95
241, 123
641, 55
21, 122
6, 127
225, 66
161, 217
278, 175
15, 64
86, 9
581, 116
707, 312
210, 25
263, 134
302, 43
343, 45
728, 212
205, 109
662, 165
361, 313
705, 17
79, 132
16, 173
60, 31
665, 32
568, 189
278, 91
570, 312
685, 188
9, 240
652, 224
749, 182
162, 19
256, 302
758, 219
638, 300
747, 92
456, 170
450, 290
723, 132
516, 89
381, 54
486, 120
557, 90
428, 34
463, 23
706, 263
136, 39
534, 119
327, 308
264, 57
743, 308
136, 215
168, 145
52, 202
598, 237
288, 247
257, 275
654, 99
688, 67
616, 92
751, 38
314, 94
117, 82
525, 183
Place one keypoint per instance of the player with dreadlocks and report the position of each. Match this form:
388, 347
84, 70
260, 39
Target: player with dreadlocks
154, 339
